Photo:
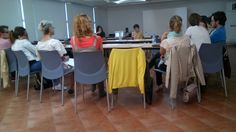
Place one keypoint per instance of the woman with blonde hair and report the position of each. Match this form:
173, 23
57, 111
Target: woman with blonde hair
168, 40
85, 39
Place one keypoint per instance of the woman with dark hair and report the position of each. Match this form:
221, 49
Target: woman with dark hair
205, 22
196, 33
4, 37
218, 35
100, 32
137, 34
19, 39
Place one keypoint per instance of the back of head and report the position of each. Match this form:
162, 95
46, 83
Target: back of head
220, 16
44, 26
82, 26
17, 33
99, 27
175, 24
194, 19
206, 20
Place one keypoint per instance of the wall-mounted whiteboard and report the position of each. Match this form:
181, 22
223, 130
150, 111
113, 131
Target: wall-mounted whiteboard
157, 21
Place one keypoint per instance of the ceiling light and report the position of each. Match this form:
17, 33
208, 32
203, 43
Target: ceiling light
127, 1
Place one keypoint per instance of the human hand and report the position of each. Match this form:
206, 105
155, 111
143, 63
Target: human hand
164, 36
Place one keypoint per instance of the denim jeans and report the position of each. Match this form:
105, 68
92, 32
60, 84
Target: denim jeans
35, 66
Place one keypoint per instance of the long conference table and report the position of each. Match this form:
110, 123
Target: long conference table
127, 41
141, 43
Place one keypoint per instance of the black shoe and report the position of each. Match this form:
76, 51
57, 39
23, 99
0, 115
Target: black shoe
37, 87
70, 91
102, 94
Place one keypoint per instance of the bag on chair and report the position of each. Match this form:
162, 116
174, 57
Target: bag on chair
189, 92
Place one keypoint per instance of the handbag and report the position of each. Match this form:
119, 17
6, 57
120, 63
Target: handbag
189, 92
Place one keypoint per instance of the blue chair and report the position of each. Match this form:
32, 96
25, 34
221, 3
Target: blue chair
23, 69
90, 68
12, 64
212, 60
52, 68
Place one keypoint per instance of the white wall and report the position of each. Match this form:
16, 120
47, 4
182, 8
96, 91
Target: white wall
101, 18
126, 16
10, 13
75, 10
154, 21
37, 10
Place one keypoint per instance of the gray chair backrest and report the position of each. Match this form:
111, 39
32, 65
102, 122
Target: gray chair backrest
211, 57
22, 63
52, 66
11, 59
90, 67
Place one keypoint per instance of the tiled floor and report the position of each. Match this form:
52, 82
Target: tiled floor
214, 113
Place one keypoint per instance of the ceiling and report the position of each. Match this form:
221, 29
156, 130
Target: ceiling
111, 2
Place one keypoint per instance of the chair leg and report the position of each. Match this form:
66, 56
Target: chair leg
17, 81
53, 86
172, 103
83, 91
75, 94
112, 100
144, 100
221, 78
62, 91
198, 92
224, 82
28, 84
41, 88
108, 102
0, 80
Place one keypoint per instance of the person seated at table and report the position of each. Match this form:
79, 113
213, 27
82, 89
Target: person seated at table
50, 44
84, 38
4, 37
137, 34
218, 35
100, 32
197, 34
168, 40
127, 34
19, 39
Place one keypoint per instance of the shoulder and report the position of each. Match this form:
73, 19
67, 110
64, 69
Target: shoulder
54, 41
27, 41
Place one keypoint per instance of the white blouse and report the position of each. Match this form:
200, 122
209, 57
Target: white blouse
25, 46
52, 44
198, 35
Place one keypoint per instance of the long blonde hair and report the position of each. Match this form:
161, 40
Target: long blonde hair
175, 23
82, 26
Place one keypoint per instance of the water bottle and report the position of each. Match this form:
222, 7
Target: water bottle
153, 39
